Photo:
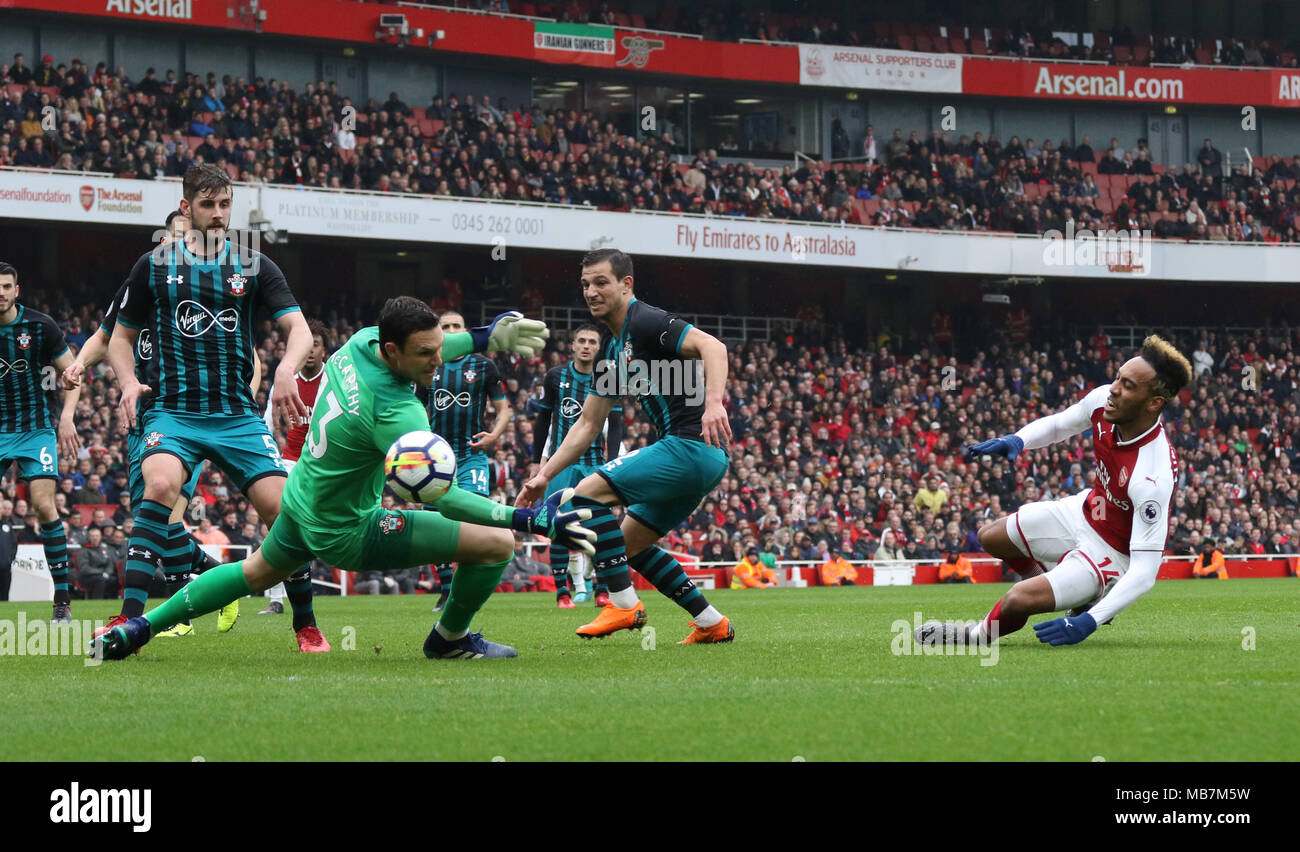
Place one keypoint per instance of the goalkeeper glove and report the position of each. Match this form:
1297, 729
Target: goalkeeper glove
1008, 445
562, 528
511, 332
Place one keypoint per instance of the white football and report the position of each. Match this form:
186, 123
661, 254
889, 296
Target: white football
420, 467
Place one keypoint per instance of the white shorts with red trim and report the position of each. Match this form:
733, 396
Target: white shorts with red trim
1080, 565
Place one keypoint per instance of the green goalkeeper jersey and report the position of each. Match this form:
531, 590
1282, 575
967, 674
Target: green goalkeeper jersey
362, 407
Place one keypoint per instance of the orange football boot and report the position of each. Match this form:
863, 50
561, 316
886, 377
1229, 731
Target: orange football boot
720, 632
611, 619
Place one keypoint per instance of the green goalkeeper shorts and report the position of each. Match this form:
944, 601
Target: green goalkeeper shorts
388, 540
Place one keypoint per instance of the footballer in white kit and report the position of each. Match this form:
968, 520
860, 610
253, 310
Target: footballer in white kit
1098, 551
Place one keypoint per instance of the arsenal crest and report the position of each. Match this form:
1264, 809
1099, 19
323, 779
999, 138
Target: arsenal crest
87, 197
153, 439
237, 283
24, 340
393, 523
1123, 476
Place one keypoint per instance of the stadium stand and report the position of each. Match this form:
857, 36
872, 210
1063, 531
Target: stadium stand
268, 132
859, 27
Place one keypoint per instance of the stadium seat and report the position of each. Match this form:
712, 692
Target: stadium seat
417, 113
1141, 53
428, 127
905, 42
1123, 54
957, 44
979, 46
923, 43
577, 148
638, 20
1089, 169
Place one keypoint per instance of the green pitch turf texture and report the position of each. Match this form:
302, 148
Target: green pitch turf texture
811, 675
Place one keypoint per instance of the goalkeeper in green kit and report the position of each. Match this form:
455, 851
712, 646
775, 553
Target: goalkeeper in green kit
331, 504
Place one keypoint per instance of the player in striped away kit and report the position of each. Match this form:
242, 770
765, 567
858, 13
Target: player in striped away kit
184, 554
1098, 551
657, 357
30, 341
309, 380
461, 390
201, 294
564, 391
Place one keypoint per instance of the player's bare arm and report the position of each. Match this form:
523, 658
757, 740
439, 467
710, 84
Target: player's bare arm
121, 357
584, 430
504, 414
285, 400
91, 354
714, 425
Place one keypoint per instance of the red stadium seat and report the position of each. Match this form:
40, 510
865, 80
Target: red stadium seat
979, 47
621, 19
417, 113
577, 148
428, 127
638, 21
957, 44
905, 42
1204, 56
1089, 169
1141, 53
924, 44
1123, 55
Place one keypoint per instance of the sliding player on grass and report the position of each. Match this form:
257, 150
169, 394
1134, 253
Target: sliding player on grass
1098, 551
651, 354
331, 507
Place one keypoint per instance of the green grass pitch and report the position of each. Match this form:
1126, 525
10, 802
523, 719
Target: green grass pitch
812, 675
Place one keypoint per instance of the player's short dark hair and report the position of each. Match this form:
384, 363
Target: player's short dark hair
1173, 372
318, 329
619, 263
204, 178
586, 326
401, 317
9, 269
167, 223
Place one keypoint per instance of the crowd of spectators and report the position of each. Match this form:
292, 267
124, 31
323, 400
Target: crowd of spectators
863, 27
842, 453
265, 131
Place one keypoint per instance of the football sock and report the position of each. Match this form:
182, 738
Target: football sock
611, 550
560, 570
147, 547
216, 588
55, 542
708, 617
470, 588
995, 620
667, 575
298, 589
445, 572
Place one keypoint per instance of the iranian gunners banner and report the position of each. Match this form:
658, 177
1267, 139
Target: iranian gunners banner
1200, 85
871, 68
574, 44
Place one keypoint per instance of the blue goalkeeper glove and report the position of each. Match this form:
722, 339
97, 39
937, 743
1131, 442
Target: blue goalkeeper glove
511, 332
1008, 445
1070, 630
563, 528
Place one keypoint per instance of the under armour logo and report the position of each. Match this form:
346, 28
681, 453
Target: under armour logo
570, 407
194, 320
171, 279
19, 366
444, 399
